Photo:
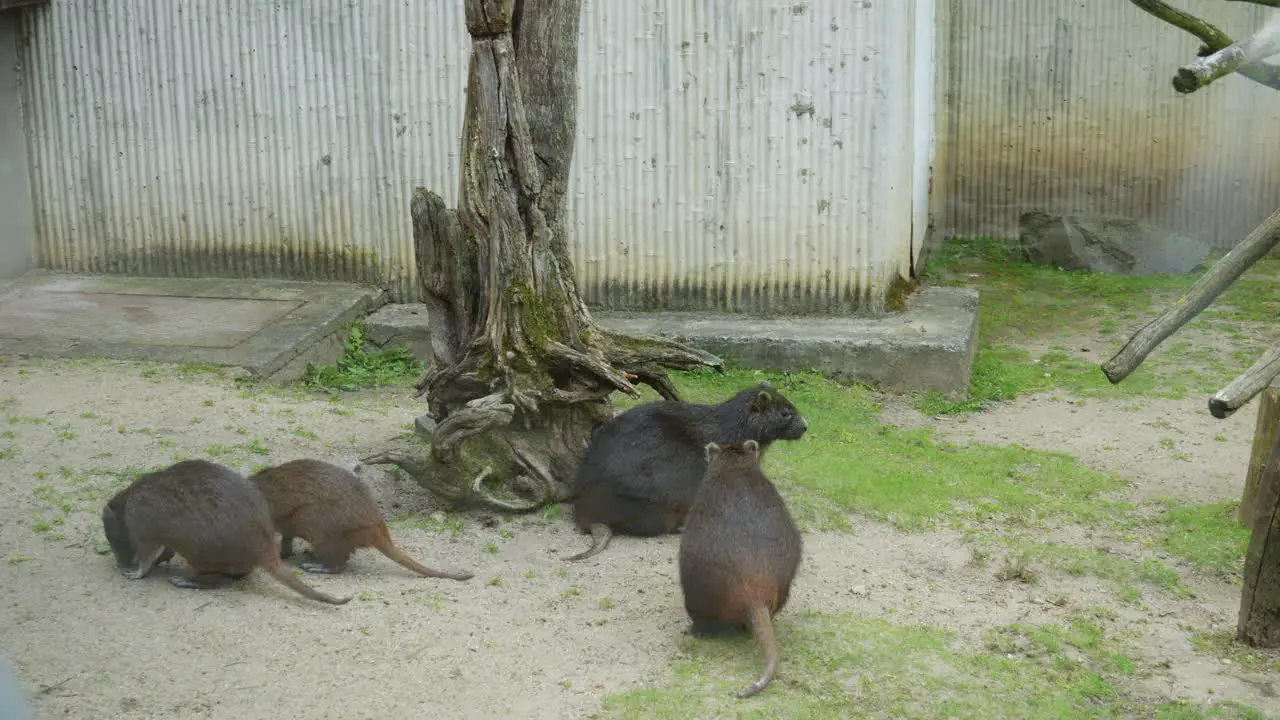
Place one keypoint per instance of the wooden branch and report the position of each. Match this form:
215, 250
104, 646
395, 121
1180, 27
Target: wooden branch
479, 494
479, 416
432, 482
1231, 266
1230, 59
600, 368
1243, 389
658, 379
1213, 38
632, 351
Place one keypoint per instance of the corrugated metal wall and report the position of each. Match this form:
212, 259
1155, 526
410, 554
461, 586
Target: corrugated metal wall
1068, 107
244, 139
742, 156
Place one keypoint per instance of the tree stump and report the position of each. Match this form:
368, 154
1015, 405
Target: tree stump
1259, 623
520, 375
1264, 429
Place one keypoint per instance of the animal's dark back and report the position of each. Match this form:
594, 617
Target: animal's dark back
197, 504
642, 444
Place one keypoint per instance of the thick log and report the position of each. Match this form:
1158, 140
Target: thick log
1214, 39
1218, 278
1264, 429
1243, 389
1230, 59
1259, 621
520, 374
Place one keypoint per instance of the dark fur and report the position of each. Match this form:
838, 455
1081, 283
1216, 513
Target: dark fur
642, 468
333, 510
210, 515
739, 552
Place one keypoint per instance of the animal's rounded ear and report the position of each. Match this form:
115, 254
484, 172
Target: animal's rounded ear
766, 385
752, 447
763, 400
711, 450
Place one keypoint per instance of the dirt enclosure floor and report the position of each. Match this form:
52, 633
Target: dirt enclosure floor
530, 636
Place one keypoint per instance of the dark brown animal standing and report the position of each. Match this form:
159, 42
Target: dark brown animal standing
739, 552
334, 511
642, 468
208, 514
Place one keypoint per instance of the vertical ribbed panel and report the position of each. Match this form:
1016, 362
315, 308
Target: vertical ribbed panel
1068, 107
743, 156
244, 139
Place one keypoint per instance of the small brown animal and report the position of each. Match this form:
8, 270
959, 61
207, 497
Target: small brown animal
334, 511
205, 512
739, 552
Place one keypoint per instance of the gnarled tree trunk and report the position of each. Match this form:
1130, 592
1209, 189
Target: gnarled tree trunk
521, 374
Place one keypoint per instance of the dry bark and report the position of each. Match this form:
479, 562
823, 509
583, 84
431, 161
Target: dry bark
1259, 621
1265, 428
520, 374
1214, 39
1201, 72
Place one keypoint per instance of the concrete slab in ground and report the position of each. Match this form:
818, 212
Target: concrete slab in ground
271, 328
930, 346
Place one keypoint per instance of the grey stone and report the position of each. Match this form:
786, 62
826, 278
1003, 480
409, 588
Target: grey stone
271, 328
1115, 245
425, 427
929, 346
401, 325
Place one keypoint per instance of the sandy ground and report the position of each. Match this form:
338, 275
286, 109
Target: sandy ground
548, 639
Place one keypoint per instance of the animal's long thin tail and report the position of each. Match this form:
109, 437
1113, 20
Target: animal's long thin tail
762, 628
281, 573
600, 536
382, 541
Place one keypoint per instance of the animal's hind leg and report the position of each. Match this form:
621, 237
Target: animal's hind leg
327, 558
148, 556
199, 580
706, 628
286, 546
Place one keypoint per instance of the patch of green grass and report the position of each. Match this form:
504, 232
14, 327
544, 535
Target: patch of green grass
222, 450
76, 491
9, 453
846, 667
192, 369
438, 522
1124, 573
359, 368
1021, 302
1223, 645
1207, 536
849, 462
